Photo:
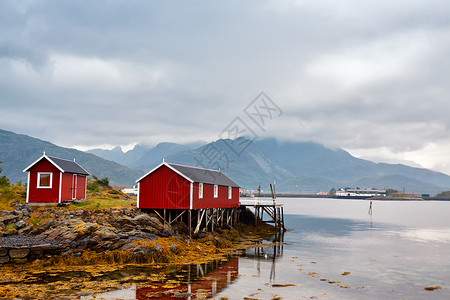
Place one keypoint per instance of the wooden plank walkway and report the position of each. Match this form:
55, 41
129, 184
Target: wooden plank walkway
264, 208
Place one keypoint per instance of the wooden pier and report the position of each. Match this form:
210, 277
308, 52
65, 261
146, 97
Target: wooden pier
265, 211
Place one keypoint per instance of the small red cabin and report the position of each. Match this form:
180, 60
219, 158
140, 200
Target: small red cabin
53, 180
172, 186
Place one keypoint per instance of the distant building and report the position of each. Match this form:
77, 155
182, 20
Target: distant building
54, 180
360, 192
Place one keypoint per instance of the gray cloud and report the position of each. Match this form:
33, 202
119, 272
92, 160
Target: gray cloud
371, 77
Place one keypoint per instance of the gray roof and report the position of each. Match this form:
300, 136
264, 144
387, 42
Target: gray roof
205, 175
68, 166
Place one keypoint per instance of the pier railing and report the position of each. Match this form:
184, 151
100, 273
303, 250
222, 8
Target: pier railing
265, 207
256, 201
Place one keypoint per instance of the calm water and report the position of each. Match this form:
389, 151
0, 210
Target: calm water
394, 253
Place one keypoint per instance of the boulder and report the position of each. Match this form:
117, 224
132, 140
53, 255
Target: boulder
4, 259
19, 253
21, 224
146, 220
104, 233
3, 251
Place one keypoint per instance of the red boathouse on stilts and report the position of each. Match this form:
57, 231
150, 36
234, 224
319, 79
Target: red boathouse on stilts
202, 198
54, 180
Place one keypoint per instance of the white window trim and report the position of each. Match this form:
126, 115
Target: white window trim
230, 193
200, 190
39, 180
216, 191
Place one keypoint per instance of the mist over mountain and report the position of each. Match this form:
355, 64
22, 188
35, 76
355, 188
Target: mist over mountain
18, 151
297, 167
300, 167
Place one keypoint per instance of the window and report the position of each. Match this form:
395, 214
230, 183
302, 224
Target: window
229, 192
45, 180
200, 190
216, 191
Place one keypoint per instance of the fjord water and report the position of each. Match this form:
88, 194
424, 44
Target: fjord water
336, 250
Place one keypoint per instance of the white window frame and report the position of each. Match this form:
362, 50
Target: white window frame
39, 180
230, 193
200, 190
216, 191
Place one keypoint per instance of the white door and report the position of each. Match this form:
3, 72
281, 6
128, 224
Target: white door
74, 186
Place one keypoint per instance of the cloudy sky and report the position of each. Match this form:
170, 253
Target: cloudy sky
371, 77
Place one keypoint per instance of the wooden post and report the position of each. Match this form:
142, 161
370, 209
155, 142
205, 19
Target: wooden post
190, 222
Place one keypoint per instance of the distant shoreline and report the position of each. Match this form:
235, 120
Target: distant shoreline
409, 198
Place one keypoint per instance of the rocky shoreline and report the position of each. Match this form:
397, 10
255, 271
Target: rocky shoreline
125, 234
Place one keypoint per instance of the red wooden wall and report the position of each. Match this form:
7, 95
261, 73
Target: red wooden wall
43, 195
66, 192
209, 201
164, 188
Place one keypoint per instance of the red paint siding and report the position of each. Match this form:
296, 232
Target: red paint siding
43, 195
208, 200
67, 188
164, 188
81, 187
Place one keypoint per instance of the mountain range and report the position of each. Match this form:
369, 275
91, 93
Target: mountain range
18, 151
297, 167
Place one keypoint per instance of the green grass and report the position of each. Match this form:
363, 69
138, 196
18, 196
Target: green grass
102, 203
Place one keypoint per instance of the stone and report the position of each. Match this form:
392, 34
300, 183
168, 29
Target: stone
145, 220
104, 234
10, 232
26, 229
2, 225
9, 219
21, 224
3, 251
48, 224
4, 259
18, 213
19, 252
19, 260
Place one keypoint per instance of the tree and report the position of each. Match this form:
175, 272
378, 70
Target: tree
332, 191
4, 181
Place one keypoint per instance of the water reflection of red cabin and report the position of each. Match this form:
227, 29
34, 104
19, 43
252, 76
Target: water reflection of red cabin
205, 287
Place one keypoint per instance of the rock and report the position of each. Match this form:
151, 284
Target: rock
104, 234
19, 260
18, 213
50, 223
2, 225
21, 224
167, 230
19, 253
124, 221
9, 219
150, 229
4, 259
10, 232
146, 220
27, 229
3, 251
